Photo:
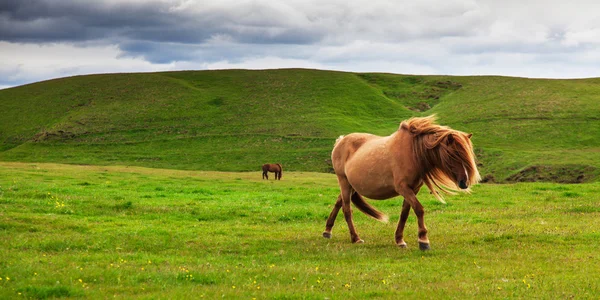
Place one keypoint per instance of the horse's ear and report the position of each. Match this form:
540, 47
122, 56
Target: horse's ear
411, 129
403, 125
449, 139
469, 135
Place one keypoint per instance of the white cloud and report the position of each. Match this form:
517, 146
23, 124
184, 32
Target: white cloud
30, 62
582, 37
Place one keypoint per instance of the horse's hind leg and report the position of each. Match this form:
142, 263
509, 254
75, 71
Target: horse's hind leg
347, 191
332, 216
400, 230
265, 175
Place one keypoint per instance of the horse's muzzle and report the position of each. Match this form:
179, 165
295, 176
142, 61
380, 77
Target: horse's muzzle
462, 184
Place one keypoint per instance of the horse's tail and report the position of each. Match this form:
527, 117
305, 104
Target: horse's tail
366, 208
280, 172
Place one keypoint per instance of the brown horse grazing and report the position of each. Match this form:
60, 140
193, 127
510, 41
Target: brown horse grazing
276, 168
384, 167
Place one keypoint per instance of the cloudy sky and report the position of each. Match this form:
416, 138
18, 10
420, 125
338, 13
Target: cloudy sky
44, 39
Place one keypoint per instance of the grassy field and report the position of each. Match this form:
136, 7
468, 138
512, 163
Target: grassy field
236, 120
131, 232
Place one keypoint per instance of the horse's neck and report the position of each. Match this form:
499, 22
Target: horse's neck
400, 144
400, 138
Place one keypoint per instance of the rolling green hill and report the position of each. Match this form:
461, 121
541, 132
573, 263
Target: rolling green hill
236, 120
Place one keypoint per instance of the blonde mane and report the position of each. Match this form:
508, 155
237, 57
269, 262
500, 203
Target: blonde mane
432, 150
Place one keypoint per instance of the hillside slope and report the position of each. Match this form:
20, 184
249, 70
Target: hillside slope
235, 120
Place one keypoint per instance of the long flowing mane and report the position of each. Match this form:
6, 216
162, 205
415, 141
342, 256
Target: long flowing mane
435, 155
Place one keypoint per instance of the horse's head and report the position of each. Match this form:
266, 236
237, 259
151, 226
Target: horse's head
459, 159
445, 156
461, 177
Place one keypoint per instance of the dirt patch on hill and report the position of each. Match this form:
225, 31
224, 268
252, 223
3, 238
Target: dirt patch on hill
52, 135
560, 174
414, 92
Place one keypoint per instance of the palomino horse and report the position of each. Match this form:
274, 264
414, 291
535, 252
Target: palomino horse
276, 168
384, 167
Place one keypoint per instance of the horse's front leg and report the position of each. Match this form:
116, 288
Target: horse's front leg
332, 216
411, 198
400, 230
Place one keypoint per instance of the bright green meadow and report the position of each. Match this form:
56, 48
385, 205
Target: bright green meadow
148, 186
131, 232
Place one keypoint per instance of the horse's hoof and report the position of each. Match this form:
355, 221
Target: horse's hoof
402, 245
359, 241
424, 246
327, 235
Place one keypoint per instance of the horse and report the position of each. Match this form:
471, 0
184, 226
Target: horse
419, 152
276, 168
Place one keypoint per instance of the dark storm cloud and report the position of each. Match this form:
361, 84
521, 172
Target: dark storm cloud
73, 21
59, 21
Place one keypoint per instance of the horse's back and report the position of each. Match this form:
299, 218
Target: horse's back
347, 146
272, 167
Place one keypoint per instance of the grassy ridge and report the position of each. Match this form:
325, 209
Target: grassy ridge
130, 232
235, 120
527, 122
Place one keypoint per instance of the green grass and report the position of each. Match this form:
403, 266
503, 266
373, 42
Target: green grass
130, 232
236, 120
